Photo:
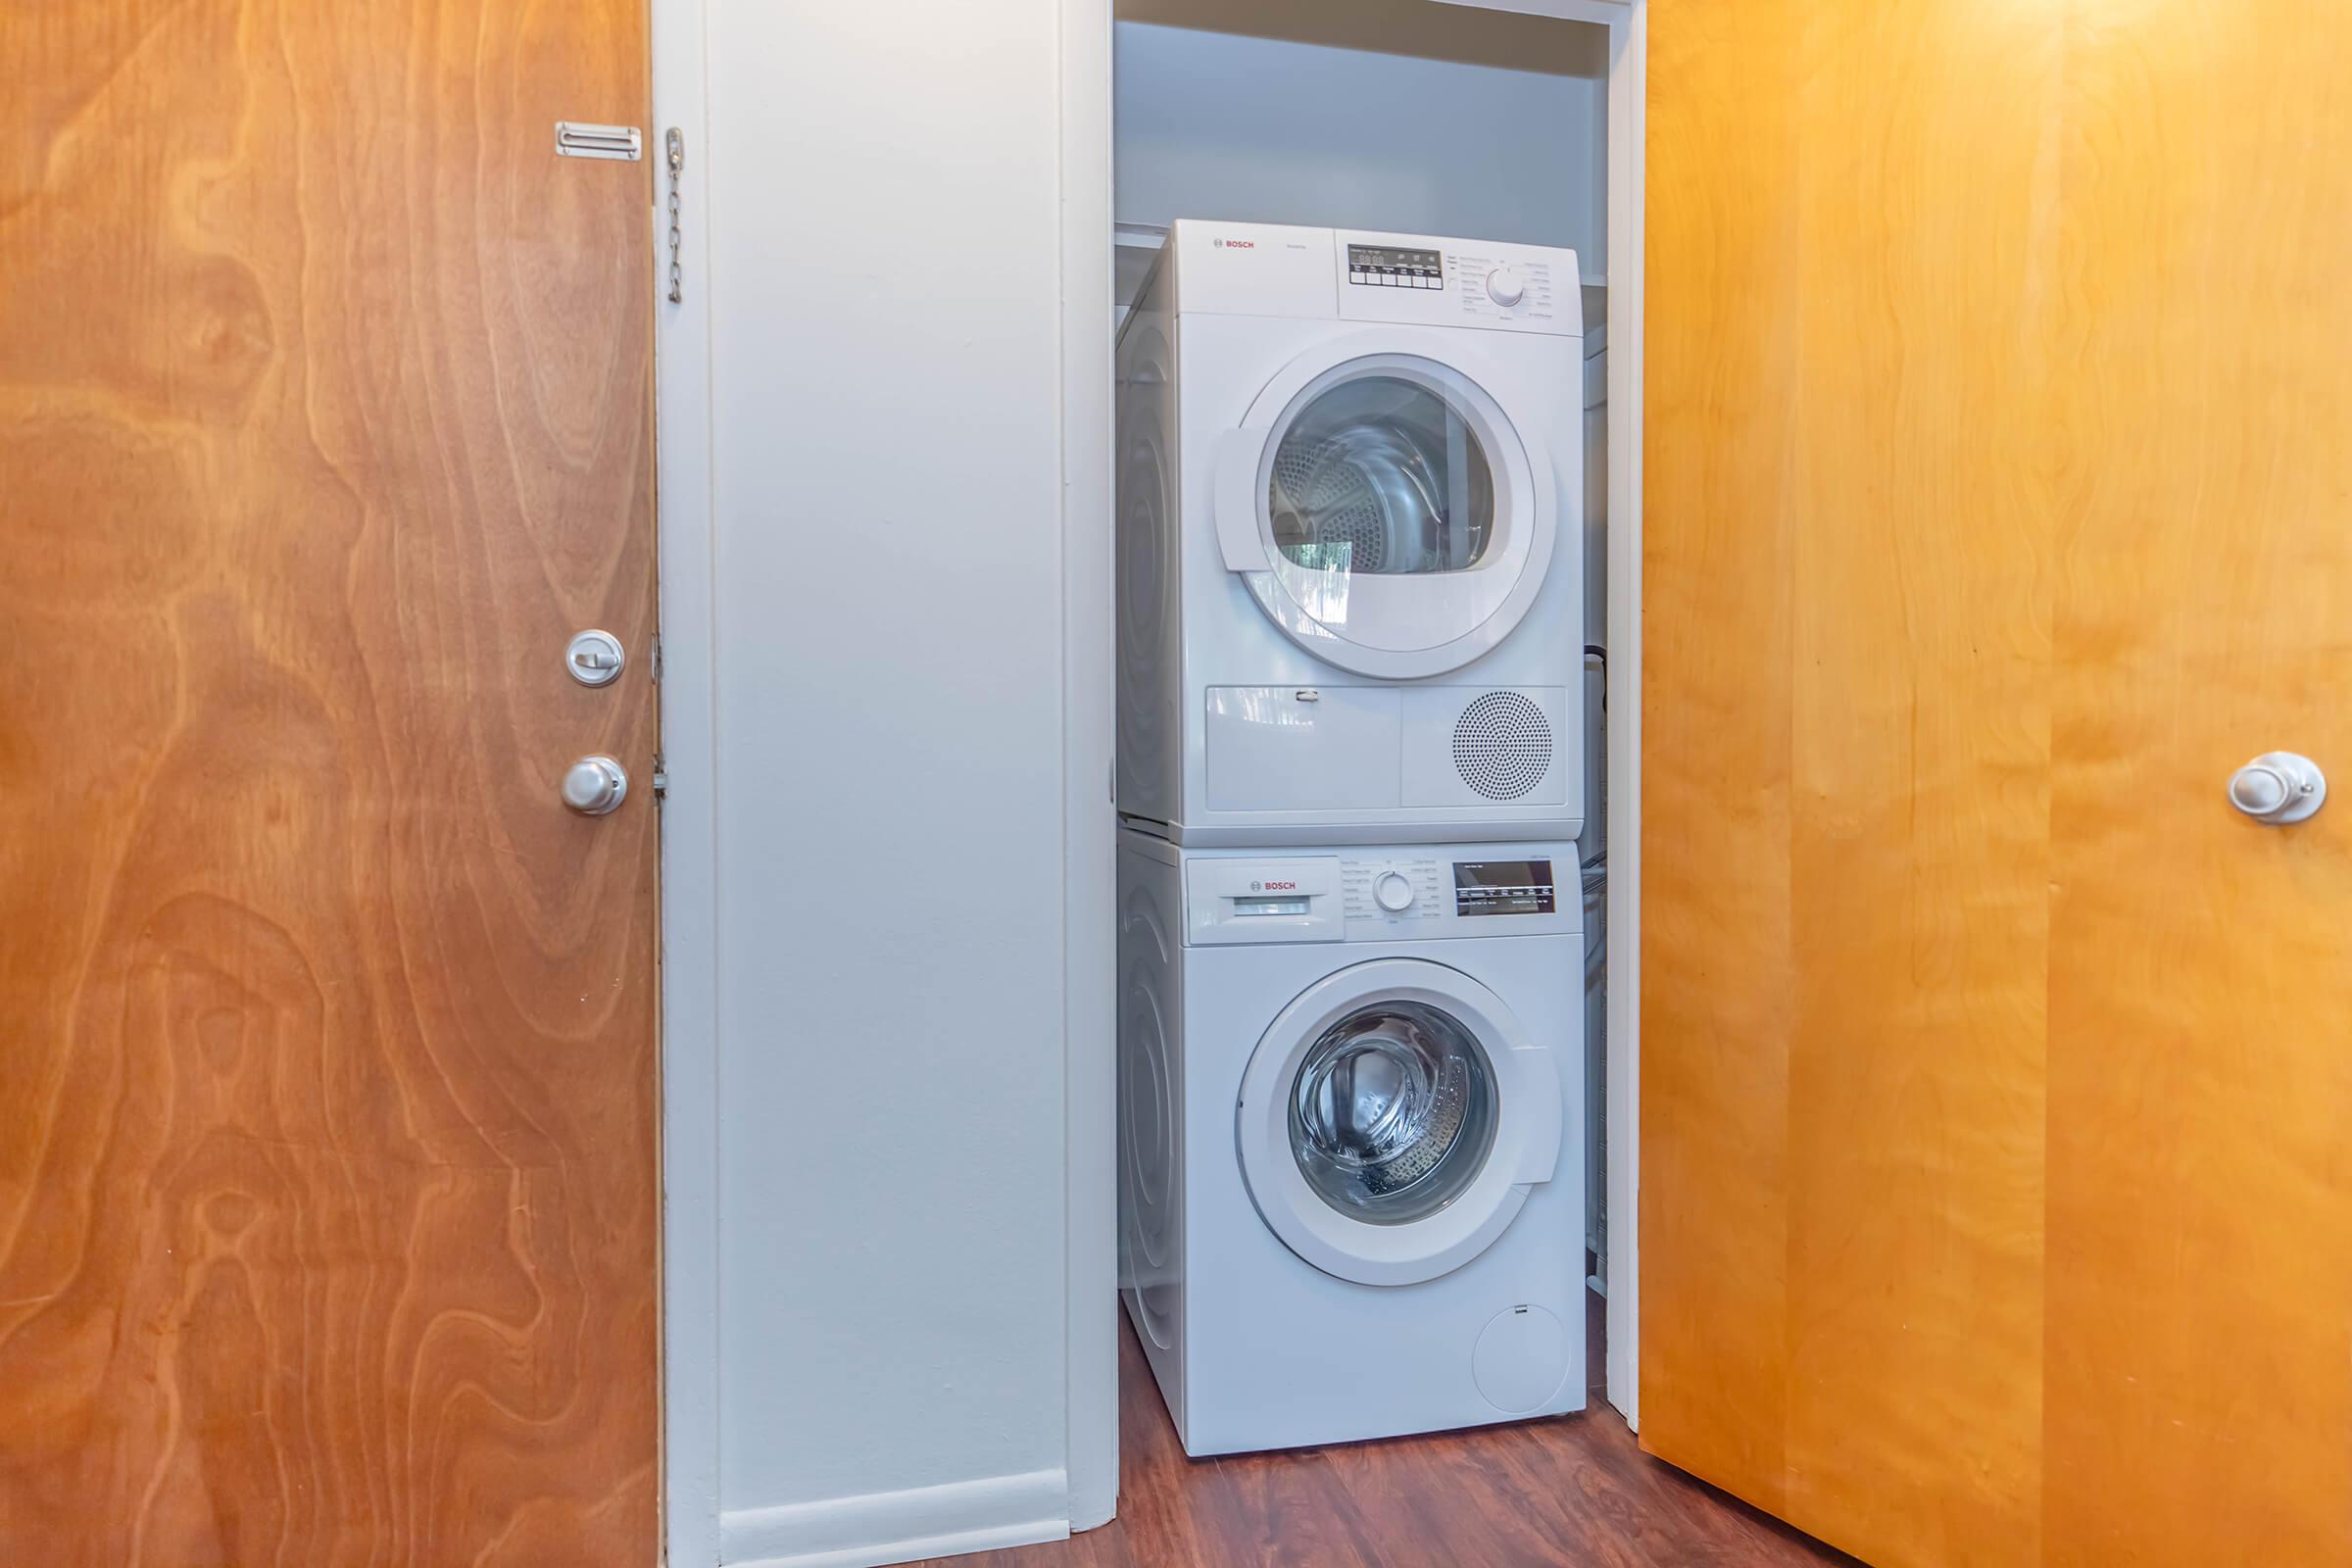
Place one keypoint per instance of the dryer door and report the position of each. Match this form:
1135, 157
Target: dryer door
1385, 507
1393, 1119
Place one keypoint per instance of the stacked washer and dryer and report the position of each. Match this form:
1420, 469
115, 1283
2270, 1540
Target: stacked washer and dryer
1349, 774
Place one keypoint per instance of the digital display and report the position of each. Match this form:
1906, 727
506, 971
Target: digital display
1393, 267
1502, 887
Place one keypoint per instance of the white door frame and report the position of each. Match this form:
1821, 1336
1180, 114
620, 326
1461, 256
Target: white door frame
1090, 852
690, 1089
1629, 93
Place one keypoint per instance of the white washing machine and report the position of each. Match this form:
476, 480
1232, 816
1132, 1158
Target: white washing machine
1349, 569
1350, 1101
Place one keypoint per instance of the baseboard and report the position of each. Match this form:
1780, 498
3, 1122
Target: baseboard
887, 1527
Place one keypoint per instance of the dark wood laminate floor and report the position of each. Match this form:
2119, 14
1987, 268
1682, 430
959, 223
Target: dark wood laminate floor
1575, 1490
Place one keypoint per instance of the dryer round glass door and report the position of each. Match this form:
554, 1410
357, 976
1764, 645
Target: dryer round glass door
1381, 475
1385, 509
1391, 1120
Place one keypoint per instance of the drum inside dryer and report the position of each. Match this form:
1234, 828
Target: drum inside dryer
1379, 474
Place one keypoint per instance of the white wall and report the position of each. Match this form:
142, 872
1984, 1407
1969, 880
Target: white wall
892, 751
1214, 124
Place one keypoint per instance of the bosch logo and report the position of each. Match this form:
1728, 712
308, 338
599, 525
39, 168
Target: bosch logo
1275, 887
1234, 244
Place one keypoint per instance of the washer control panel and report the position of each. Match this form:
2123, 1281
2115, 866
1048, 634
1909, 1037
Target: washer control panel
1484, 889
1406, 890
1457, 890
1385, 893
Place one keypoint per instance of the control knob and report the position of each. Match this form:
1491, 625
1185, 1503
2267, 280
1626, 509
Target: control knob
1506, 286
1394, 891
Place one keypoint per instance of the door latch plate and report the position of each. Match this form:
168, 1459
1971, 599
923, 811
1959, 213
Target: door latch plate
576, 138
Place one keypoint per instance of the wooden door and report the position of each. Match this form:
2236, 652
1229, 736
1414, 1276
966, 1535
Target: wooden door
1996, 1189
328, 1187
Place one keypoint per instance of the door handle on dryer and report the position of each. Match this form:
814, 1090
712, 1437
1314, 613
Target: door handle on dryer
1235, 497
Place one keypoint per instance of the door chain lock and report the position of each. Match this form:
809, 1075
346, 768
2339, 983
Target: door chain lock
675, 143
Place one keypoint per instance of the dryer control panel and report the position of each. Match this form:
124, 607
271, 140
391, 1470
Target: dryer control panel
1361, 275
1403, 892
1458, 282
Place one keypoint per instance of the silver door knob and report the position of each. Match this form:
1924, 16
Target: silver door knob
2279, 787
595, 785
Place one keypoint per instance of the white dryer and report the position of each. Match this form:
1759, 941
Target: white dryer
1349, 567
1350, 1095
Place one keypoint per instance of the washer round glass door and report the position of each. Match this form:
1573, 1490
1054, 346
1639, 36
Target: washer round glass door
1383, 509
1393, 1111
1391, 1120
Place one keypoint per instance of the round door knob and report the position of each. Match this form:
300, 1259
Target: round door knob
2279, 787
1394, 891
595, 785
1506, 285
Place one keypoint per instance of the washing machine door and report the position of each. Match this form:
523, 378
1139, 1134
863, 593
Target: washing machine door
1393, 1119
1385, 507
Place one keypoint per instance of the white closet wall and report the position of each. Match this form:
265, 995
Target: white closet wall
886, 381
1217, 124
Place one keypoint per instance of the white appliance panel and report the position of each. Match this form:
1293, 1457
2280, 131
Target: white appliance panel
1236, 901
1302, 747
1210, 749
1254, 270
1254, 1346
1476, 745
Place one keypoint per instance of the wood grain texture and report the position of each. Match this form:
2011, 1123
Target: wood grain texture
1575, 1490
1723, 203
2199, 1383
1995, 1195
327, 1192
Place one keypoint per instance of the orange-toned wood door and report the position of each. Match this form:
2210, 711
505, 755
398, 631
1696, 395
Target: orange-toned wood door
327, 1099
1997, 1100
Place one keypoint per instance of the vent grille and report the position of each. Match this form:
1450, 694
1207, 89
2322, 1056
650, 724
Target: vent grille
1502, 746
